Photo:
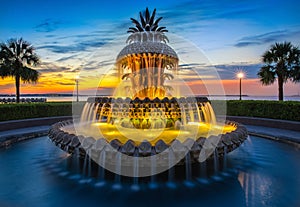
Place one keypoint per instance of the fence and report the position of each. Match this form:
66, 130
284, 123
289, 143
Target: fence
22, 100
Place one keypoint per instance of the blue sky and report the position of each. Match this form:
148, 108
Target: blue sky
231, 34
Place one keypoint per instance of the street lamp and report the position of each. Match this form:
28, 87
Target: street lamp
240, 75
76, 81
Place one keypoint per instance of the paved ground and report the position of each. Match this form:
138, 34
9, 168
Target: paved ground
287, 136
24, 131
274, 133
12, 136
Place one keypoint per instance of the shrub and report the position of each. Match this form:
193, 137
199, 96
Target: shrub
287, 110
34, 110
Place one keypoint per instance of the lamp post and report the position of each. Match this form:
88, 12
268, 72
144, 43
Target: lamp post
76, 81
240, 75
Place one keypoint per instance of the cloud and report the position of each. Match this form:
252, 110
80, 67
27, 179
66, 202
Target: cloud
80, 47
203, 13
75, 70
225, 71
228, 71
59, 75
269, 37
50, 36
66, 58
207, 9
48, 25
46, 67
7, 86
65, 83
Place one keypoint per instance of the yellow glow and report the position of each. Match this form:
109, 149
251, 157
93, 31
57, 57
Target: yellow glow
240, 75
192, 129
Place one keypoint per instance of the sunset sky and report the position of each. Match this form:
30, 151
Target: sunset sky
75, 37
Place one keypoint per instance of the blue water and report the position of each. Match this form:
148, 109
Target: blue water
259, 173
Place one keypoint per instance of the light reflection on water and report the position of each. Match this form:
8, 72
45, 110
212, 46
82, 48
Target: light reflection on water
260, 173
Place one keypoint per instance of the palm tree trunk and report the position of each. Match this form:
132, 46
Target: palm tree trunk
280, 88
17, 88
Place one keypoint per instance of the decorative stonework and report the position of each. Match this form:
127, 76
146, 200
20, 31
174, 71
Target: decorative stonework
70, 142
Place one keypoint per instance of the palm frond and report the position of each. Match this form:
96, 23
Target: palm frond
29, 75
295, 74
33, 60
5, 71
268, 57
267, 75
28, 50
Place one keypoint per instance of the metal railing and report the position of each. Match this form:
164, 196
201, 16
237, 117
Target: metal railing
23, 100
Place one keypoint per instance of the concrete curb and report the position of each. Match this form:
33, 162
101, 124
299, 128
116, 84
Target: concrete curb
9, 140
286, 140
272, 123
22, 129
25, 123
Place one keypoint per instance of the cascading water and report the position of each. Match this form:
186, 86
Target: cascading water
146, 127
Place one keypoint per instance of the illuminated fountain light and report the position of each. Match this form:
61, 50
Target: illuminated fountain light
145, 123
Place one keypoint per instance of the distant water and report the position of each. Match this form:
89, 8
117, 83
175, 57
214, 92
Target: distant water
84, 98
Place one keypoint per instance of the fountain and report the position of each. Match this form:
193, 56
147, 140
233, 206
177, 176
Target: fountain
144, 130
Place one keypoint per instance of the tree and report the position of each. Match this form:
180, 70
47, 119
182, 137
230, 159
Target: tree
16, 59
282, 61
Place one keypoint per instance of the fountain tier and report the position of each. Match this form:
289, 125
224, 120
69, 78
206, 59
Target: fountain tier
150, 121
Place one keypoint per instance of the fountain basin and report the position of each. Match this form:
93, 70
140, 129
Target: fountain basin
69, 142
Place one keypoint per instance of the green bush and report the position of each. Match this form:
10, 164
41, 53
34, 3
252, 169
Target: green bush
34, 110
287, 110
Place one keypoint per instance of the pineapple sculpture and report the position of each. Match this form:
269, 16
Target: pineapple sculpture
146, 57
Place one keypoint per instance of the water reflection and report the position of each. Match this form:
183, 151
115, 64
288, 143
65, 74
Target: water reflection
259, 173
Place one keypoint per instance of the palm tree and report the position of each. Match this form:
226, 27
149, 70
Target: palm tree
16, 58
282, 61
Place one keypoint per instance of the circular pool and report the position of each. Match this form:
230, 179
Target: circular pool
259, 173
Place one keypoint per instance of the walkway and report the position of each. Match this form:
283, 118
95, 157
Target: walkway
16, 135
282, 135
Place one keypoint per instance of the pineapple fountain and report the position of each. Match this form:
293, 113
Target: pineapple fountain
144, 130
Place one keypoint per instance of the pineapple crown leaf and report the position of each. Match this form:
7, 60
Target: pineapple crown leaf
147, 23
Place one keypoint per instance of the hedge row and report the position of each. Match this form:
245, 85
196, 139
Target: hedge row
287, 110
34, 110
